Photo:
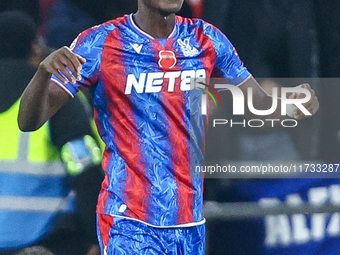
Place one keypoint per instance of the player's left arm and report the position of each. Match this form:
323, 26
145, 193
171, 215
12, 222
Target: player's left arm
263, 100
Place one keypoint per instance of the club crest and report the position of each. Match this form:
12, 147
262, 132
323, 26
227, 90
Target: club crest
187, 49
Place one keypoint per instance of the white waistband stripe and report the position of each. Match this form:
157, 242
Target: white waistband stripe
187, 225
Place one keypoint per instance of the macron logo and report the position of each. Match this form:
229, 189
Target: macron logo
137, 47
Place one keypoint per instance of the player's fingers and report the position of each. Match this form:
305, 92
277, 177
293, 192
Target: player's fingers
74, 63
306, 86
81, 59
316, 107
60, 77
303, 86
52, 64
64, 72
73, 58
66, 62
292, 96
312, 105
313, 99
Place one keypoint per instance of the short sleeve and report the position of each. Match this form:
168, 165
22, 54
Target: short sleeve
89, 45
228, 63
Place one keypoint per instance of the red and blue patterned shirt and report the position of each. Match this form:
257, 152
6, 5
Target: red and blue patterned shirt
147, 115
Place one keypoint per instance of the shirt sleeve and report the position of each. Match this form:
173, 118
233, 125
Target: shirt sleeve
89, 45
228, 63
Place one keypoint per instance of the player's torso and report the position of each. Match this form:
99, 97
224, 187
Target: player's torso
143, 91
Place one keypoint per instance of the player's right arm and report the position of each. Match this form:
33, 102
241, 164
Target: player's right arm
43, 98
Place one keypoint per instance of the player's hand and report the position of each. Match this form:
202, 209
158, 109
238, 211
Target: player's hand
58, 63
312, 105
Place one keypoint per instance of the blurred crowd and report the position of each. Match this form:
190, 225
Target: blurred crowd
278, 41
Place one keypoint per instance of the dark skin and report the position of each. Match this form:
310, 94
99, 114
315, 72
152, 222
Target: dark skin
162, 13
42, 98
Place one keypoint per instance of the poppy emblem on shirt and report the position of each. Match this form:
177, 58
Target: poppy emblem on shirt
167, 59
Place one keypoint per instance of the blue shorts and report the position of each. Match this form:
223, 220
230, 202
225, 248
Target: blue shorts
123, 236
